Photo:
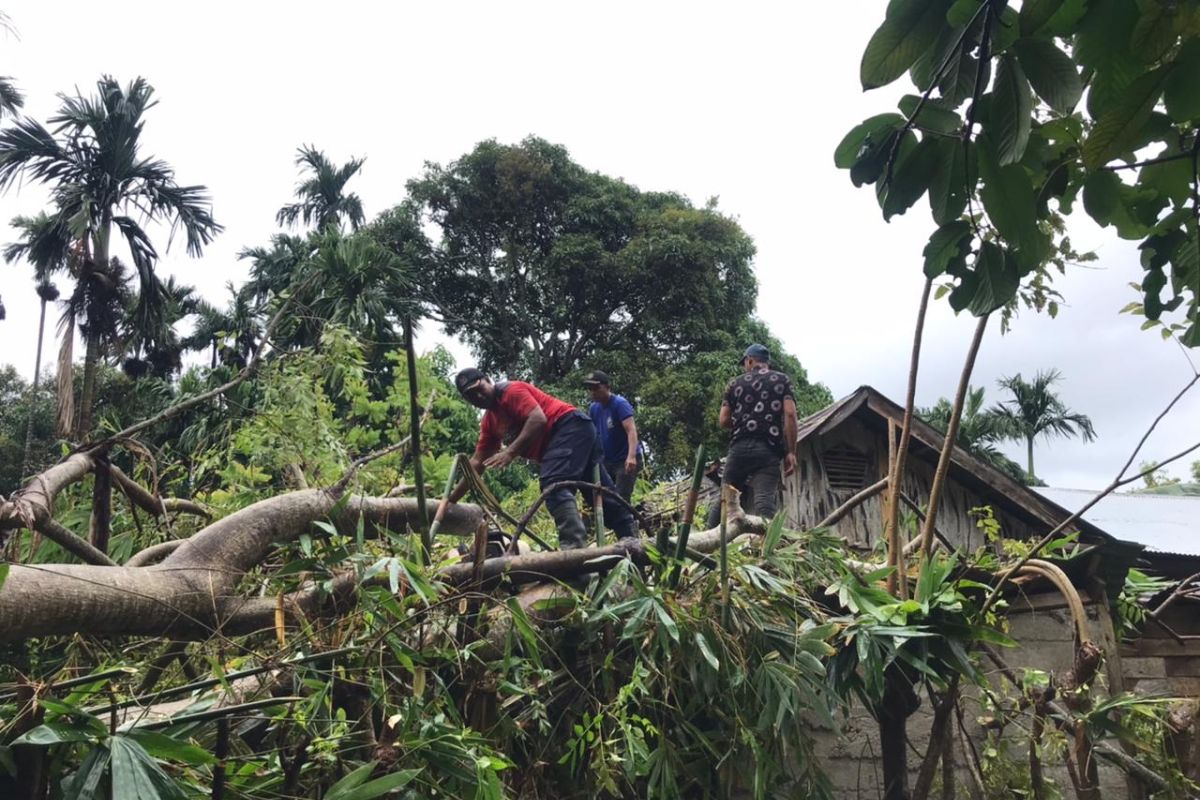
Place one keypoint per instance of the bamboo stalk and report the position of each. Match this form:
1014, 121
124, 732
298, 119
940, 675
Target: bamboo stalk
598, 506
896, 477
689, 514
440, 514
724, 556
943, 467
415, 436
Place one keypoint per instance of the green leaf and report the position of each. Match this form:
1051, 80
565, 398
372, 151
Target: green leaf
1057, 17
873, 156
1102, 196
910, 28
351, 780
850, 148
1182, 91
947, 188
1051, 73
137, 776
665, 619
1156, 31
910, 178
3, 574
1005, 32
168, 749
378, 787
522, 624
997, 280
56, 733
1120, 127
949, 244
88, 778
706, 651
1011, 111
1008, 198
932, 116
773, 535
962, 12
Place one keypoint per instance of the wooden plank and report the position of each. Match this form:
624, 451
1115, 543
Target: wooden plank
1162, 648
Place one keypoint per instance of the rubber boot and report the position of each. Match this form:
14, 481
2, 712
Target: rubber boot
571, 533
626, 529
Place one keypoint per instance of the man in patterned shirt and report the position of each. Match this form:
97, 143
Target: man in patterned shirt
760, 409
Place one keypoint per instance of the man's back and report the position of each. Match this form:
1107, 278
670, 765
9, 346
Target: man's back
756, 402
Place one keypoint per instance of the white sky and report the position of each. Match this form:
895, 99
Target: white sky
744, 101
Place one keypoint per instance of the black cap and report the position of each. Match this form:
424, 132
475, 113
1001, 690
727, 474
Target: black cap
467, 378
596, 378
758, 352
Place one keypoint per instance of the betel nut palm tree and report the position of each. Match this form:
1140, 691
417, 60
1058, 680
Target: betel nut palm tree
91, 159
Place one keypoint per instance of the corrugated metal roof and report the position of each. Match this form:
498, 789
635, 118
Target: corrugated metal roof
1166, 523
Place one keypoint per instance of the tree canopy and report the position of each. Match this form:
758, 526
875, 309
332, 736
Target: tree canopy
541, 264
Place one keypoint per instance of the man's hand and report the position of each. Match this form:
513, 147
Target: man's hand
500, 460
789, 464
631, 465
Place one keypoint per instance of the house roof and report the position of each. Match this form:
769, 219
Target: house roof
872, 408
1164, 523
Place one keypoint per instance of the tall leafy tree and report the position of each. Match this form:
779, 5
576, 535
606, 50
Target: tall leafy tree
322, 199
1034, 410
542, 264
91, 159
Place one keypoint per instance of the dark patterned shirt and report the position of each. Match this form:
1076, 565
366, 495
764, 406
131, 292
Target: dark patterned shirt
755, 400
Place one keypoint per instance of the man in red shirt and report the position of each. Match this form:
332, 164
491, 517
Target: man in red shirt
544, 429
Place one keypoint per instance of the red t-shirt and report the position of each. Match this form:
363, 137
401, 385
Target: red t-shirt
517, 401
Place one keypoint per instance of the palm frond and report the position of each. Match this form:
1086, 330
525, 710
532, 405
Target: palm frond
12, 99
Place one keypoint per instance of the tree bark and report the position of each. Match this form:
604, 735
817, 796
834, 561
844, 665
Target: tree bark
101, 523
91, 361
1029, 452
899, 702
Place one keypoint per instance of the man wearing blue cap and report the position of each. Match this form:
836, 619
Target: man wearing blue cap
613, 417
760, 410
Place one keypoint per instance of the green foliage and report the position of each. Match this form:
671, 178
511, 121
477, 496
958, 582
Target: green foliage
1131, 147
542, 265
17, 404
980, 430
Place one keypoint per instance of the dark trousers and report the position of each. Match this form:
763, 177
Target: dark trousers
752, 468
571, 454
623, 480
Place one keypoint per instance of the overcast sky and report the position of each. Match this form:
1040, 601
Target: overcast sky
743, 101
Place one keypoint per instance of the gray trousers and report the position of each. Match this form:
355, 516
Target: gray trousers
623, 480
752, 468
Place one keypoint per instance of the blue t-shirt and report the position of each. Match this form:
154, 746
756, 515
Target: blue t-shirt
608, 419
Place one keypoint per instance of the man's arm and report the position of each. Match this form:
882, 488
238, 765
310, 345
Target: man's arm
790, 429
726, 416
630, 436
534, 425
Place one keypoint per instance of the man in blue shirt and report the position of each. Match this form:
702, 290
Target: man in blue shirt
613, 417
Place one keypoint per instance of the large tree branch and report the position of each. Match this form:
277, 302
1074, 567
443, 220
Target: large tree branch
153, 504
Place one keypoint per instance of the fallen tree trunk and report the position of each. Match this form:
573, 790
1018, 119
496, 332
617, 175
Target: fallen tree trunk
193, 592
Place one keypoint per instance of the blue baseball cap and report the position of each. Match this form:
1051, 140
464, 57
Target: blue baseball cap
758, 352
